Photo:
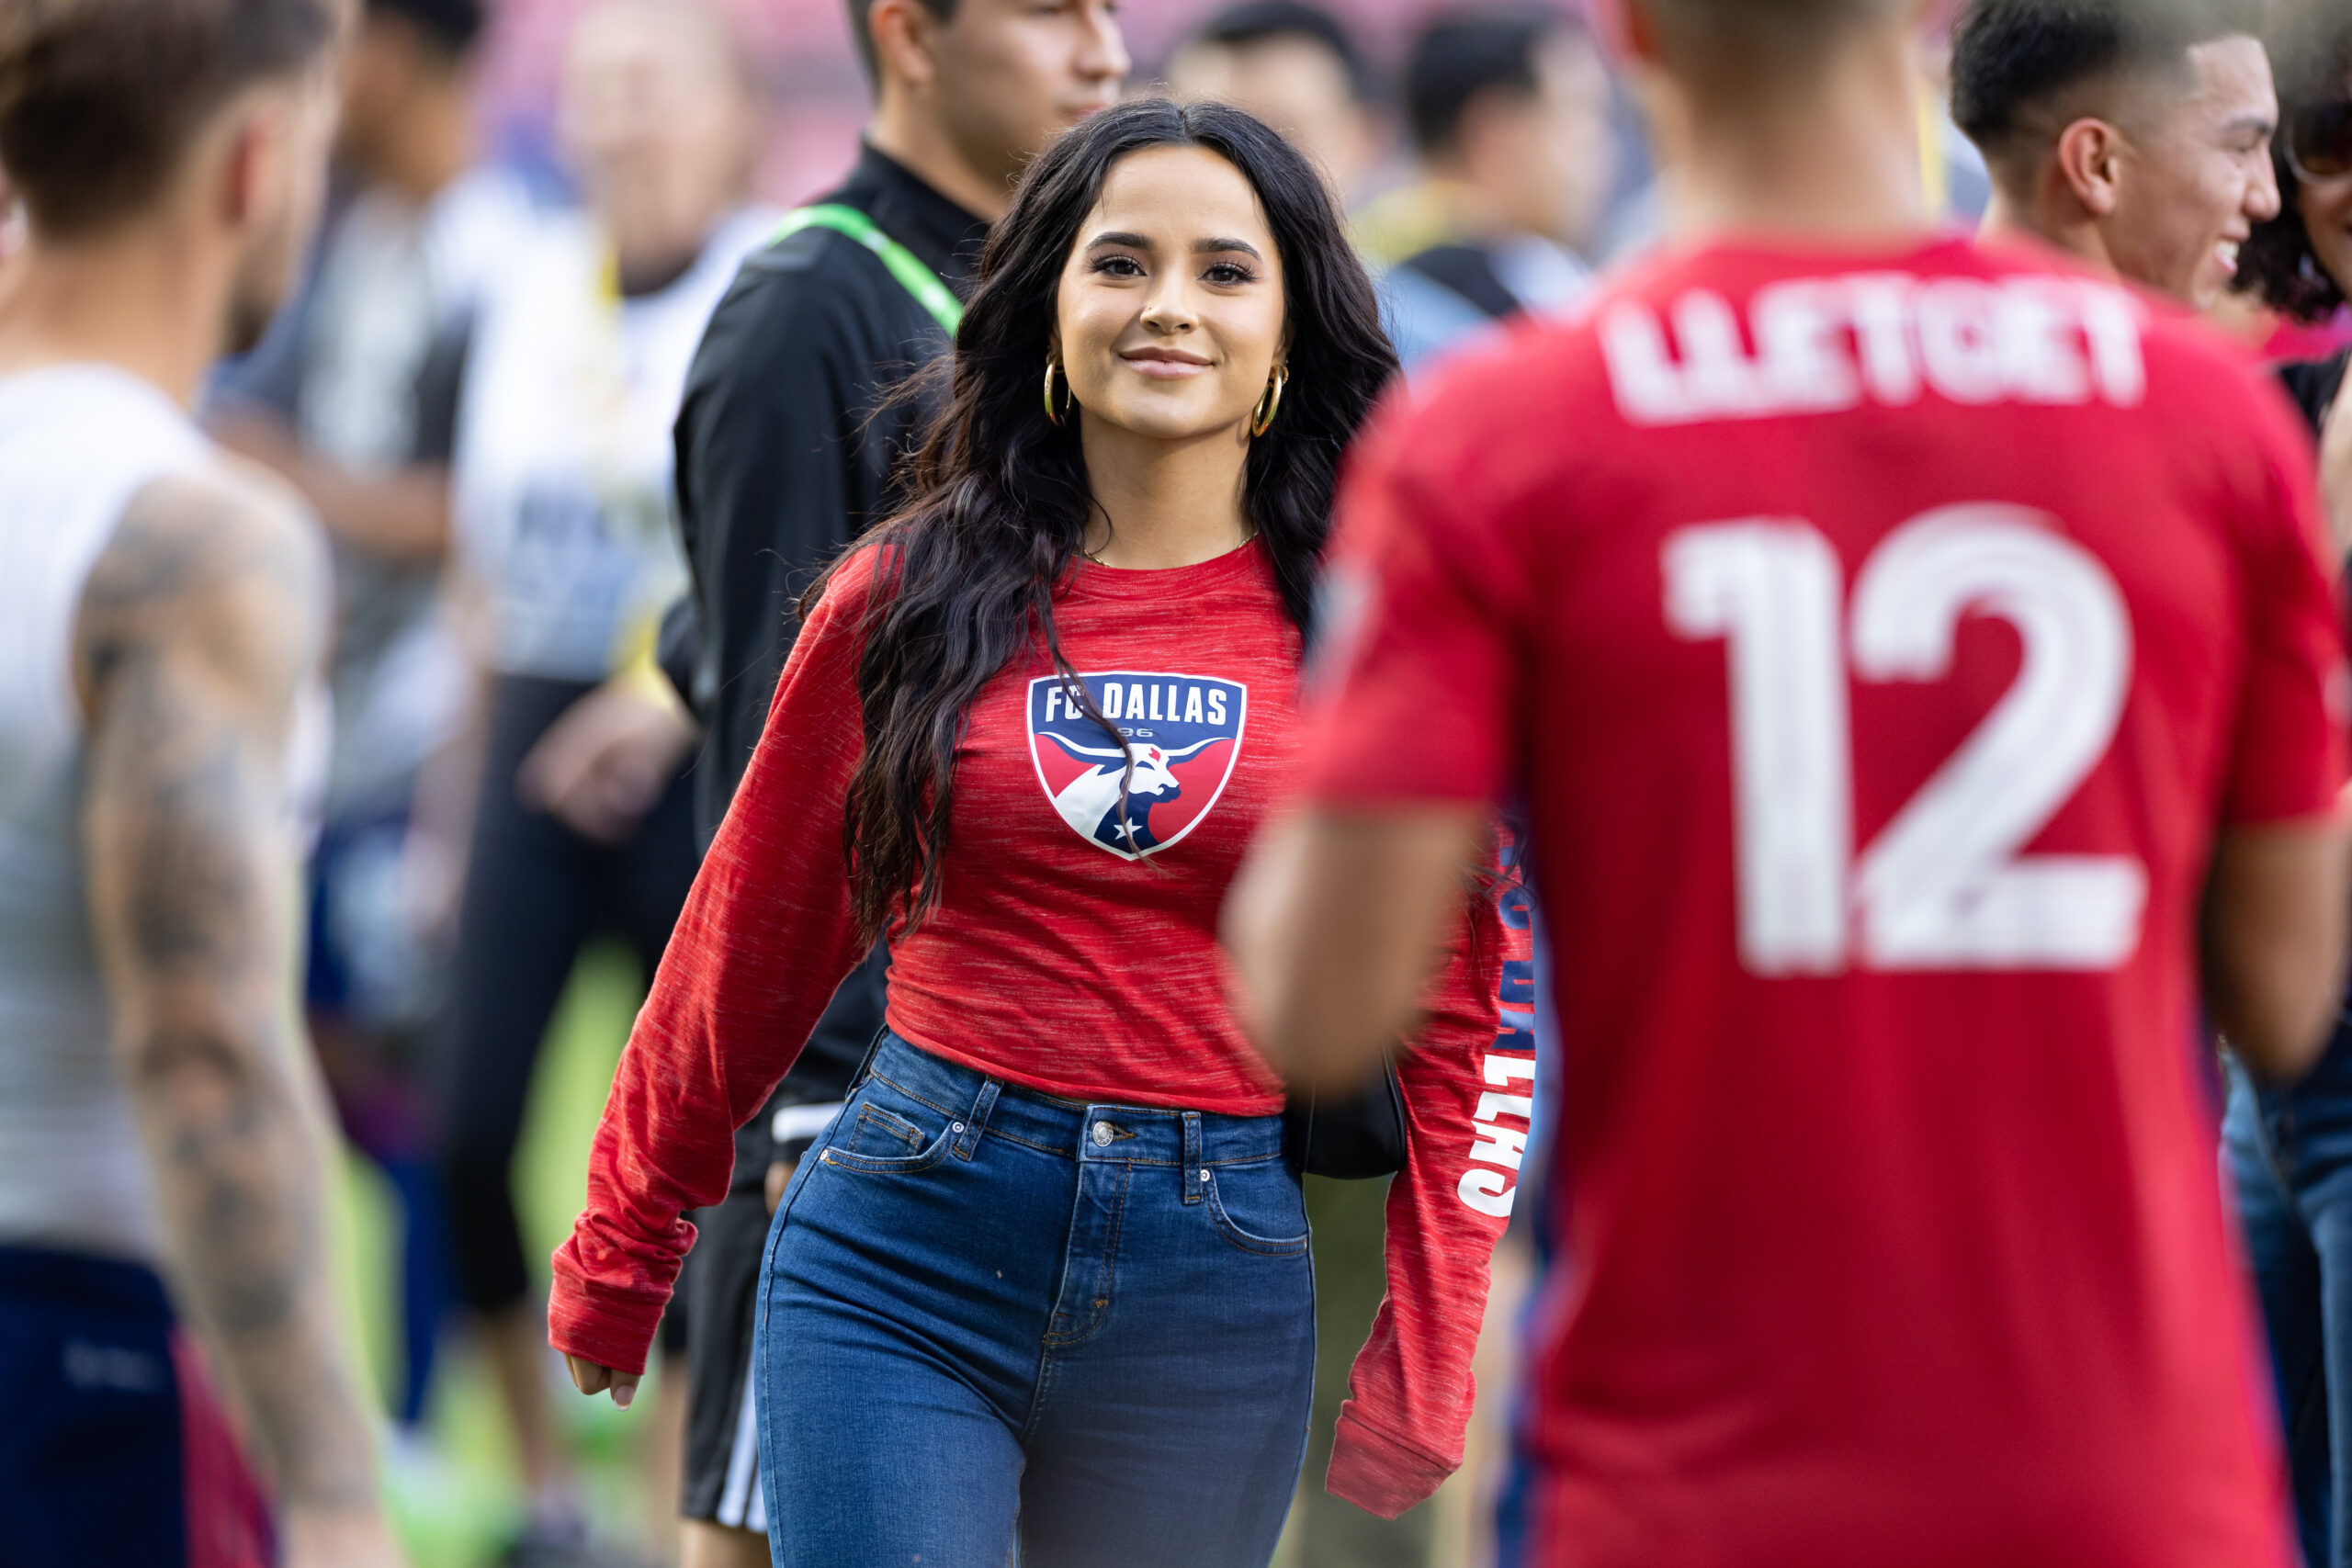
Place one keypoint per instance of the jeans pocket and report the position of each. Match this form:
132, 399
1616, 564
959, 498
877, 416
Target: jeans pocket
884, 1133
1255, 1206
902, 1127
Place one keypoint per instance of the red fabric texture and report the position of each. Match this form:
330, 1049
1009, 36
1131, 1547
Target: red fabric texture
1866, 1259
1052, 962
228, 1516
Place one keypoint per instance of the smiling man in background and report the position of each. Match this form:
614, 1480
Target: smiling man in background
2135, 136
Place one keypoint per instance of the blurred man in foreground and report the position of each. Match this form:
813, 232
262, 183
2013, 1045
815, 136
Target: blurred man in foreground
1511, 121
786, 443
2134, 134
1917, 665
353, 398
161, 610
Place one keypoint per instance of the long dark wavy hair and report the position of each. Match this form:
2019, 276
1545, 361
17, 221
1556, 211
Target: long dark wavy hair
967, 574
2311, 46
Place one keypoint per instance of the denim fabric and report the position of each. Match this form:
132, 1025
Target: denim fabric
2289, 1155
990, 1316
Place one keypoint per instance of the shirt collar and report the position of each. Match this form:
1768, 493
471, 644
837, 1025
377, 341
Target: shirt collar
944, 234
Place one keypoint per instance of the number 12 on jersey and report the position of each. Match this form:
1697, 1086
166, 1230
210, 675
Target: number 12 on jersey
1946, 885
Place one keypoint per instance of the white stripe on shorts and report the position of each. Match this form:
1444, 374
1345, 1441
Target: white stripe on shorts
740, 1506
802, 1121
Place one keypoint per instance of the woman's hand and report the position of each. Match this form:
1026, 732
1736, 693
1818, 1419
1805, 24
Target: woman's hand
590, 1378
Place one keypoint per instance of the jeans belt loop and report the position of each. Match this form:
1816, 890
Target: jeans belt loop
1194, 1170
983, 1104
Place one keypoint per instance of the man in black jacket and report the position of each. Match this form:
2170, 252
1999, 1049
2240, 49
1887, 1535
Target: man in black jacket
786, 440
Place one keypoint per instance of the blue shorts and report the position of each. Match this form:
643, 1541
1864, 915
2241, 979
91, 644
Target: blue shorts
114, 1451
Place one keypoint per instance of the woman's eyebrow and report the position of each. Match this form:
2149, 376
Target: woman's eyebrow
1119, 237
1211, 247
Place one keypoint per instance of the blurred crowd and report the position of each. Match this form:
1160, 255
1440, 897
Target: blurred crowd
475, 390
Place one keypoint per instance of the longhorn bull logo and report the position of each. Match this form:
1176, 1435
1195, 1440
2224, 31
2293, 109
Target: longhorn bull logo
1183, 734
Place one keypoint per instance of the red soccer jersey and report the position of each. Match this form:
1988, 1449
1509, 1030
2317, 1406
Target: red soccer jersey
1065, 955
1878, 642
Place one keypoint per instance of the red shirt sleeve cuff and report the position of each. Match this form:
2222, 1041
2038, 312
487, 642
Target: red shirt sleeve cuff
1378, 1472
612, 1331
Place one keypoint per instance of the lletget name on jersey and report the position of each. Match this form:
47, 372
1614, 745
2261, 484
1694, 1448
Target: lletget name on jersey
1823, 345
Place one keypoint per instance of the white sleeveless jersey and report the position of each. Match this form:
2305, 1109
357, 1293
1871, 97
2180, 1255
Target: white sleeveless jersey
76, 443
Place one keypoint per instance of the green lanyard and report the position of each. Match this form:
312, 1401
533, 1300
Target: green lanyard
905, 265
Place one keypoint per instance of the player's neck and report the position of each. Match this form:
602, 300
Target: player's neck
2007, 218
918, 142
1169, 504
1836, 164
137, 302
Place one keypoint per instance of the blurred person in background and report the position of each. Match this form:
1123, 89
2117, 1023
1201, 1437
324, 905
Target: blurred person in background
2133, 134
2300, 263
2288, 1150
162, 613
353, 398
565, 537
786, 440
1510, 118
1295, 66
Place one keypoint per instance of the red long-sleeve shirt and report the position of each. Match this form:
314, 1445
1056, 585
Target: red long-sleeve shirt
1073, 951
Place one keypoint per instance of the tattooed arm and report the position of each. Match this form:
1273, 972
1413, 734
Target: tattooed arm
199, 626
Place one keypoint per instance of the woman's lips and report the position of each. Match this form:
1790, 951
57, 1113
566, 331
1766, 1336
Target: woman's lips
1162, 366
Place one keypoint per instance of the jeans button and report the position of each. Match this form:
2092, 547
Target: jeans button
1102, 1134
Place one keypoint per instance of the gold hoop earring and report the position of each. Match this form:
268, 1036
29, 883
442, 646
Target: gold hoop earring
1053, 414
1270, 401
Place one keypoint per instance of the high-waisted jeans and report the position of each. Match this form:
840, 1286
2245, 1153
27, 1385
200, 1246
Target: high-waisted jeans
989, 1317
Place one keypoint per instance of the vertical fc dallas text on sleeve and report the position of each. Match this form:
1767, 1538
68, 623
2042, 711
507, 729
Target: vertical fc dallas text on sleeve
1879, 642
1055, 927
1469, 1104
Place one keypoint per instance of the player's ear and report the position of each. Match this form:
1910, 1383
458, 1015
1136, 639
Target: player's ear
905, 35
245, 178
1638, 31
2090, 160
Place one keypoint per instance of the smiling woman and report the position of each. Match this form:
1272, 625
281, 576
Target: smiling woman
1043, 1287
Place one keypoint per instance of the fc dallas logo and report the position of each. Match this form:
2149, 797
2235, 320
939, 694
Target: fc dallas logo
1183, 732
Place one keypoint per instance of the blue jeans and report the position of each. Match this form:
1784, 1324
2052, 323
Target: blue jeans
990, 1318
2289, 1155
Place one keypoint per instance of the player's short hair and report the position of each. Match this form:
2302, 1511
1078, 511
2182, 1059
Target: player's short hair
100, 100
861, 33
2023, 69
1253, 22
1739, 44
450, 27
1461, 57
